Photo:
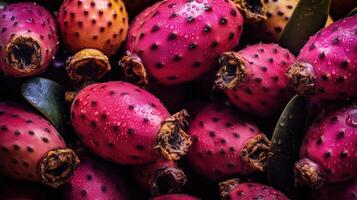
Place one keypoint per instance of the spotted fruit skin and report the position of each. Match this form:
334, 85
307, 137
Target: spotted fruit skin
327, 61
343, 190
175, 197
329, 147
27, 20
170, 36
106, 20
265, 89
219, 140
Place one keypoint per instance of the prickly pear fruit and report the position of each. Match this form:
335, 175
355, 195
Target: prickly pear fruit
95, 179
344, 190
225, 144
233, 190
175, 197
32, 149
166, 40
326, 65
28, 39
125, 124
254, 78
328, 151
107, 21
160, 177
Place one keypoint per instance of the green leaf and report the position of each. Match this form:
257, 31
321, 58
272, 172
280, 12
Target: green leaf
47, 97
286, 142
353, 12
308, 17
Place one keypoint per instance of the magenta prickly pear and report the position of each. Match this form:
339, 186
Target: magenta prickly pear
95, 179
342, 190
175, 197
225, 144
32, 149
254, 78
160, 177
167, 39
28, 39
328, 151
126, 124
327, 64
233, 190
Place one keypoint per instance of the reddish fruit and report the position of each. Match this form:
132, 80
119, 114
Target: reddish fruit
32, 149
126, 124
343, 190
225, 144
28, 39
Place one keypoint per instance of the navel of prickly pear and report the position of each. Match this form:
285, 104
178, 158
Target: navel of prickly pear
342, 190
225, 144
160, 177
175, 197
125, 124
328, 152
32, 149
28, 39
166, 40
106, 20
326, 65
233, 190
254, 78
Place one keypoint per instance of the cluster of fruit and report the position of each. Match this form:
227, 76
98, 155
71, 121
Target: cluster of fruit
86, 99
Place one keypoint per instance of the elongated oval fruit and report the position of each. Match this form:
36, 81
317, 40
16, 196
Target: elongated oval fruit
327, 66
125, 124
225, 144
28, 39
167, 40
233, 190
32, 149
328, 152
101, 25
254, 78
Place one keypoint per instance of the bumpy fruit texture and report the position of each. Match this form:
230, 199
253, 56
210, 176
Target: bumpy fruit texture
170, 36
328, 151
175, 197
225, 144
160, 177
233, 190
95, 179
255, 78
32, 149
28, 39
344, 190
100, 25
125, 124
327, 64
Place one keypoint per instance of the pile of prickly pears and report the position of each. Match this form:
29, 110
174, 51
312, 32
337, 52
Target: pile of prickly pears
178, 99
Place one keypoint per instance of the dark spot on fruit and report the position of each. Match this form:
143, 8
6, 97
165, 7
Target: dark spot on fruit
159, 65
93, 124
264, 69
131, 131
223, 21
214, 44
89, 177
343, 154
171, 78
201, 124
275, 78
172, 36
270, 60
222, 152
173, 15
319, 141
17, 132
31, 133
341, 134
93, 103
233, 12
212, 134
209, 152
192, 46
84, 193
335, 41
115, 128
154, 46
156, 14
344, 64
312, 46
322, 55
139, 147
207, 29
177, 58
155, 28
236, 135
207, 8
190, 19
15, 115
171, 5
131, 107
82, 116
134, 157
110, 144
327, 154
45, 140
196, 64
29, 149
223, 141
4, 128
340, 79
215, 119
16, 147
104, 188
248, 91
325, 77
111, 93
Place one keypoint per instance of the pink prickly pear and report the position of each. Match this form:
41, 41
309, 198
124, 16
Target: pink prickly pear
328, 152
343, 190
233, 190
327, 64
225, 144
120, 117
160, 177
254, 78
166, 40
175, 197
32, 149
28, 39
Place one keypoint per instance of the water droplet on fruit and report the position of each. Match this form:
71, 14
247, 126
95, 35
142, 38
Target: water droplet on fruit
347, 50
351, 119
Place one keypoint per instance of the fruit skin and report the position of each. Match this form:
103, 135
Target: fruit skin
345, 190
328, 151
95, 179
233, 190
160, 177
175, 197
107, 21
326, 64
28, 39
120, 117
168, 38
255, 80
225, 144
32, 149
